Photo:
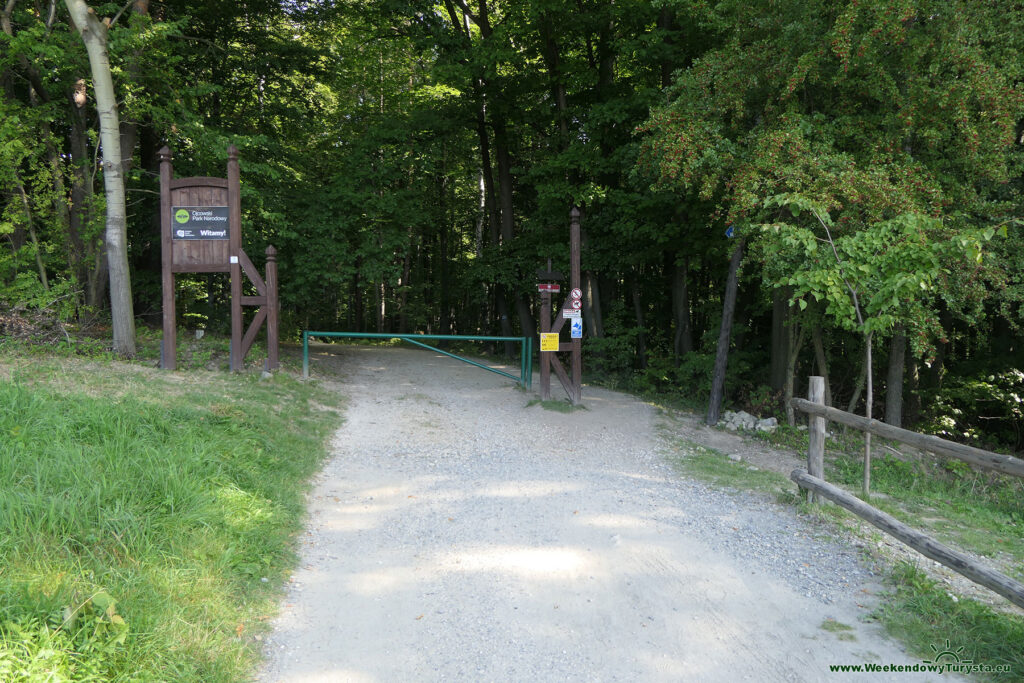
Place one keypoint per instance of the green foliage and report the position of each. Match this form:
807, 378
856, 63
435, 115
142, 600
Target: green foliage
26, 292
982, 408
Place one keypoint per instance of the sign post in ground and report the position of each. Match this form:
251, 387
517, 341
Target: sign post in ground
570, 310
200, 232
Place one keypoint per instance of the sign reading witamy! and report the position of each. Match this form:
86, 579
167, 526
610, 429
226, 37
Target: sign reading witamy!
199, 222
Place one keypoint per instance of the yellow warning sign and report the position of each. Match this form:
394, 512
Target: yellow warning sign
548, 341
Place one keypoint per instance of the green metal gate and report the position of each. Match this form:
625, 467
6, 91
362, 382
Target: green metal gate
525, 378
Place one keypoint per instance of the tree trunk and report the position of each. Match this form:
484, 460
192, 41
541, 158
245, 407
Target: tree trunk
722, 354
913, 402
937, 370
682, 342
592, 305
665, 19
861, 380
781, 337
894, 380
867, 414
403, 299
820, 360
85, 248
357, 296
794, 354
31, 227
94, 35
638, 311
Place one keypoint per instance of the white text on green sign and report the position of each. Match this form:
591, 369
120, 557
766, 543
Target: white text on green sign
199, 222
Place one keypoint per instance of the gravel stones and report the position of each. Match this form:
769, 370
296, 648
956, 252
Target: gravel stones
458, 534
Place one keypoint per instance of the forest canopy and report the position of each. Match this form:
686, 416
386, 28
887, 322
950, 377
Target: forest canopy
831, 177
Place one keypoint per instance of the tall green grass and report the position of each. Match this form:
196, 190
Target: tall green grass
921, 613
147, 522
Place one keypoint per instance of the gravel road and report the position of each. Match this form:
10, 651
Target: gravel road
459, 535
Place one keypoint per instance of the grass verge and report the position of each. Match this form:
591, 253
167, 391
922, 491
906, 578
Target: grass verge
563, 406
974, 510
929, 620
709, 465
148, 517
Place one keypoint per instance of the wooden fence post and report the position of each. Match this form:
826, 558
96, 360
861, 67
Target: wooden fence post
273, 308
816, 435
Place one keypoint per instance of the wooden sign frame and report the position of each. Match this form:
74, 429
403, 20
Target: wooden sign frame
189, 246
548, 359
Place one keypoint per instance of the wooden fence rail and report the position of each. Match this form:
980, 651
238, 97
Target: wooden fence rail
813, 481
1007, 464
927, 546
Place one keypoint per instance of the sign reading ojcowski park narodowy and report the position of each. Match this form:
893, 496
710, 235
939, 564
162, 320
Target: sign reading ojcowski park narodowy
199, 222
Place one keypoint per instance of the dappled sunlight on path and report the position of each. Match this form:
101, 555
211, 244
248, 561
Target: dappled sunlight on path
460, 535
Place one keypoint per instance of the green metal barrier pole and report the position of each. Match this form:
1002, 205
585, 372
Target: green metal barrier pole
522, 364
529, 362
526, 357
464, 360
305, 355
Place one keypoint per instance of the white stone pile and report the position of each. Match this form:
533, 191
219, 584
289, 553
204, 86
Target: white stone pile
744, 421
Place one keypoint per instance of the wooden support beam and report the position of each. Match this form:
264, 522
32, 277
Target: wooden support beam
252, 273
254, 329
1006, 464
927, 546
562, 375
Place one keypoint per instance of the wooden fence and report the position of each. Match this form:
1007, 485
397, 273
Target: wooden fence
813, 481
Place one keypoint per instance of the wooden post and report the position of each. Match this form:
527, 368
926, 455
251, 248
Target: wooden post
930, 548
234, 249
273, 309
574, 283
815, 435
168, 350
545, 357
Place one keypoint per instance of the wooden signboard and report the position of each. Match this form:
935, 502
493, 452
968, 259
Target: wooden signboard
200, 232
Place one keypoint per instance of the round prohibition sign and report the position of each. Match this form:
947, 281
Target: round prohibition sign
577, 293
576, 304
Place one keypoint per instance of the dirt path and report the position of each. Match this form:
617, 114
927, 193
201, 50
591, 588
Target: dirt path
459, 535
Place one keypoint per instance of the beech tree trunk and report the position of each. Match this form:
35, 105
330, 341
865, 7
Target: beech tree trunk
682, 342
638, 311
592, 305
894, 379
794, 354
94, 35
781, 338
725, 333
